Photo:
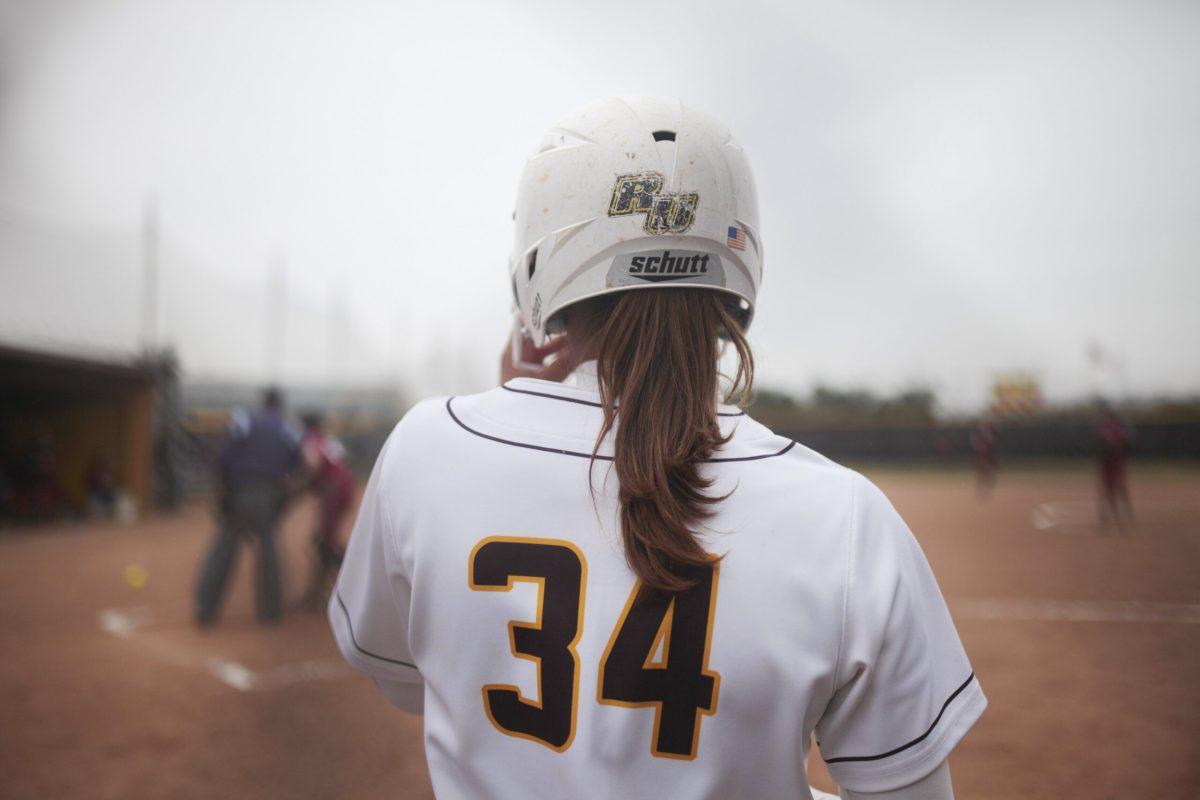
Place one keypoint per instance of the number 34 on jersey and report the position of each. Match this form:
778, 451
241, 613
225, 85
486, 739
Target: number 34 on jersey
657, 655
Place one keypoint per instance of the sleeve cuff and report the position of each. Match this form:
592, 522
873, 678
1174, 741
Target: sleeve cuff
363, 658
913, 761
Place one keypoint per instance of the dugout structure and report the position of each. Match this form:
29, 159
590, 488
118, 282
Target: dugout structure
64, 412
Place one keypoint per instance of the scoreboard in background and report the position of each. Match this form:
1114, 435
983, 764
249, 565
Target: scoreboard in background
1016, 395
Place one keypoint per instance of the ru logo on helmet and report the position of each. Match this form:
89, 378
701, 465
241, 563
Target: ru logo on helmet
642, 194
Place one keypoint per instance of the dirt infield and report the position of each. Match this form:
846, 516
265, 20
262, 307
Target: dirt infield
1087, 646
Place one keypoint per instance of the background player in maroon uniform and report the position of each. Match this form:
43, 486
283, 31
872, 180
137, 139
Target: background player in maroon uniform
983, 445
1113, 439
333, 483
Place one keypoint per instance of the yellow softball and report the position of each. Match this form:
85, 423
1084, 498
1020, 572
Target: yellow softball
136, 575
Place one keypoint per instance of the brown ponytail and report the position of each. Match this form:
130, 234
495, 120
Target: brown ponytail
657, 353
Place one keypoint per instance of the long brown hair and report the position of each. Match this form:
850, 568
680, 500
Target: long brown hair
657, 354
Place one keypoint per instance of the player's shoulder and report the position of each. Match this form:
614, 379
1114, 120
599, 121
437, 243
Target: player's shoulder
424, 420
423, 413
803, 475
415, 445
430, 425
795, 458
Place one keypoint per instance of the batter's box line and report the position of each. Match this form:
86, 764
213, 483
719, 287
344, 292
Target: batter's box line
129, 624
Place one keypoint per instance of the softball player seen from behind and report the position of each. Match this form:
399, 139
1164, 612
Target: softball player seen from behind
597, 580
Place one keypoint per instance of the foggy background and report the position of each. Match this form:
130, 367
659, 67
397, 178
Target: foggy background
949, 190
979, 218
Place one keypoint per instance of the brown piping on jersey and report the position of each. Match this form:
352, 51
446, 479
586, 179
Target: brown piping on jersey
508, 388
915, 741
599, 457
357, 646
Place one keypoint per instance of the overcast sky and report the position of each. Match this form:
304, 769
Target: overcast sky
949, 189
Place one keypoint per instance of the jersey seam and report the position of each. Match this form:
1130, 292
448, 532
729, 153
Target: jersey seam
561, 451
587, 439
384, 505
737, 419
535, 431
526, 445
390, 546
354, 640
837, 668
583, 402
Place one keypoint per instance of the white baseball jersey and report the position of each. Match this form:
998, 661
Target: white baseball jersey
486, 584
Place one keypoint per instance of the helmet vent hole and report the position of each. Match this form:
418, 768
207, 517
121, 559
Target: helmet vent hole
531, 265
664, 136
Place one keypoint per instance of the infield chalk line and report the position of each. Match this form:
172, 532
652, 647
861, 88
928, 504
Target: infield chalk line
1075, 611
125, 622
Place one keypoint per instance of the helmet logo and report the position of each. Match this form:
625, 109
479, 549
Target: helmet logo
689, 267
642, 194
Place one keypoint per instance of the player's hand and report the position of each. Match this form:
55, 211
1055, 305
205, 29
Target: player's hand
555, 358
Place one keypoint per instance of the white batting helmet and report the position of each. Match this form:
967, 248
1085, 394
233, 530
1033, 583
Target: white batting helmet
633, 193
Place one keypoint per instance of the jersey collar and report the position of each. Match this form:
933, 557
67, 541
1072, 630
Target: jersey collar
583, 385
585, 377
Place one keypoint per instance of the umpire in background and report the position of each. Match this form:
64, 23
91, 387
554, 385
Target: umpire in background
254, 466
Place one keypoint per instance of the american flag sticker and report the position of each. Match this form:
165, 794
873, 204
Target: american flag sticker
737, 238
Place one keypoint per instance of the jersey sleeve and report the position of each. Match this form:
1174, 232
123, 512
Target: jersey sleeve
369, 608
905, 693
